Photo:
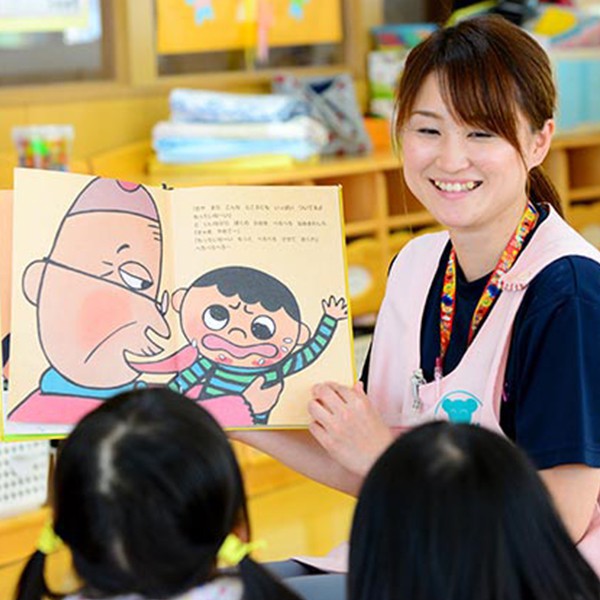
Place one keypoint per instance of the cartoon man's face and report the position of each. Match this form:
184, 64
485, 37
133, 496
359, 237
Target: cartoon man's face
228, 331
96, 296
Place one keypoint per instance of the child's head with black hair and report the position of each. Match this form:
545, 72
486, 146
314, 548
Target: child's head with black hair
456, 511
241, 316
147, 488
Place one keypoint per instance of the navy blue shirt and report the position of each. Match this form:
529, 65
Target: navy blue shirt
552, 382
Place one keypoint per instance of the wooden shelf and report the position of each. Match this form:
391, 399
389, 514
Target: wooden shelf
354, 229
571, 141
572, 164
130, 162
590, 192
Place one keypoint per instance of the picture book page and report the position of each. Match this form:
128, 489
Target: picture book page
87, 295
261, 298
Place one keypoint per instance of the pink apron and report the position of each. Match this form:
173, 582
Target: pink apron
472, 393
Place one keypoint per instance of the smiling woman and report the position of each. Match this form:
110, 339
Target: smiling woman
459, 171
474, 122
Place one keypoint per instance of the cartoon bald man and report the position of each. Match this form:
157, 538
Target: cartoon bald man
96, 300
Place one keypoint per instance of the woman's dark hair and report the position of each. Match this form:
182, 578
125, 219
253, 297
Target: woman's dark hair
147, 488
489, 71
457, 512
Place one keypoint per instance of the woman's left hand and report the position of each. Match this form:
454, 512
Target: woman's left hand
348, 426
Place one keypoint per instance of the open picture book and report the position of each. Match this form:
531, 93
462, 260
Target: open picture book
233, 296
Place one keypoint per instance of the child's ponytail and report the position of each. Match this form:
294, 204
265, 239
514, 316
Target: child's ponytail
260, 584
32, 585
257, 582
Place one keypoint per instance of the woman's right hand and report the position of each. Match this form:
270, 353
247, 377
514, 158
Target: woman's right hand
348, 426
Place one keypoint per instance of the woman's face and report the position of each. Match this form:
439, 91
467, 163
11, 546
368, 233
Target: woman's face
466, 177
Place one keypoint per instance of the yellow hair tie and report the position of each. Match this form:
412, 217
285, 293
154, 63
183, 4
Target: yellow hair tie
233, 550
49, 542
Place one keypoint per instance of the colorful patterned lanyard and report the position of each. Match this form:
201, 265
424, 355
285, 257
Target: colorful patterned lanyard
492, 288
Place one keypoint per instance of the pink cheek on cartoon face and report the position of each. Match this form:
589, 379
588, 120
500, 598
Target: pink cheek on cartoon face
101, 314
265, 362
195, 331
282, 352
224, 360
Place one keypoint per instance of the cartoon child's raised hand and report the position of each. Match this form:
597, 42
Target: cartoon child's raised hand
336, 309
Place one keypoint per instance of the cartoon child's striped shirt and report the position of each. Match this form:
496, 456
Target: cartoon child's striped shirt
222, 380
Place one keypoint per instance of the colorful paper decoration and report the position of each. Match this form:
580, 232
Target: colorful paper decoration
297, 8
203, 10
189, 26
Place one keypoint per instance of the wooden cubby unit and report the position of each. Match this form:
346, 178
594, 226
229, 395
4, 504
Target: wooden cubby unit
573, 164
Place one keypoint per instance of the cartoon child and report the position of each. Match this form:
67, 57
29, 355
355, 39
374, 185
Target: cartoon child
246, 335
95, 296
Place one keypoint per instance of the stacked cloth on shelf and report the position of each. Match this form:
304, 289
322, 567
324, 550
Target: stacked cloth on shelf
210, 126
332, 101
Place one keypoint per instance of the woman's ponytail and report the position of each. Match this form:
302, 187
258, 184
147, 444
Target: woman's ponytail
260, 584
541, 190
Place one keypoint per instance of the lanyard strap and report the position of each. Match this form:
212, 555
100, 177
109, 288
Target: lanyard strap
492, 288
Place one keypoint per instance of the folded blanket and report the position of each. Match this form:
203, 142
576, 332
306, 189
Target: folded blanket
298, 128
221, 107
182, 150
